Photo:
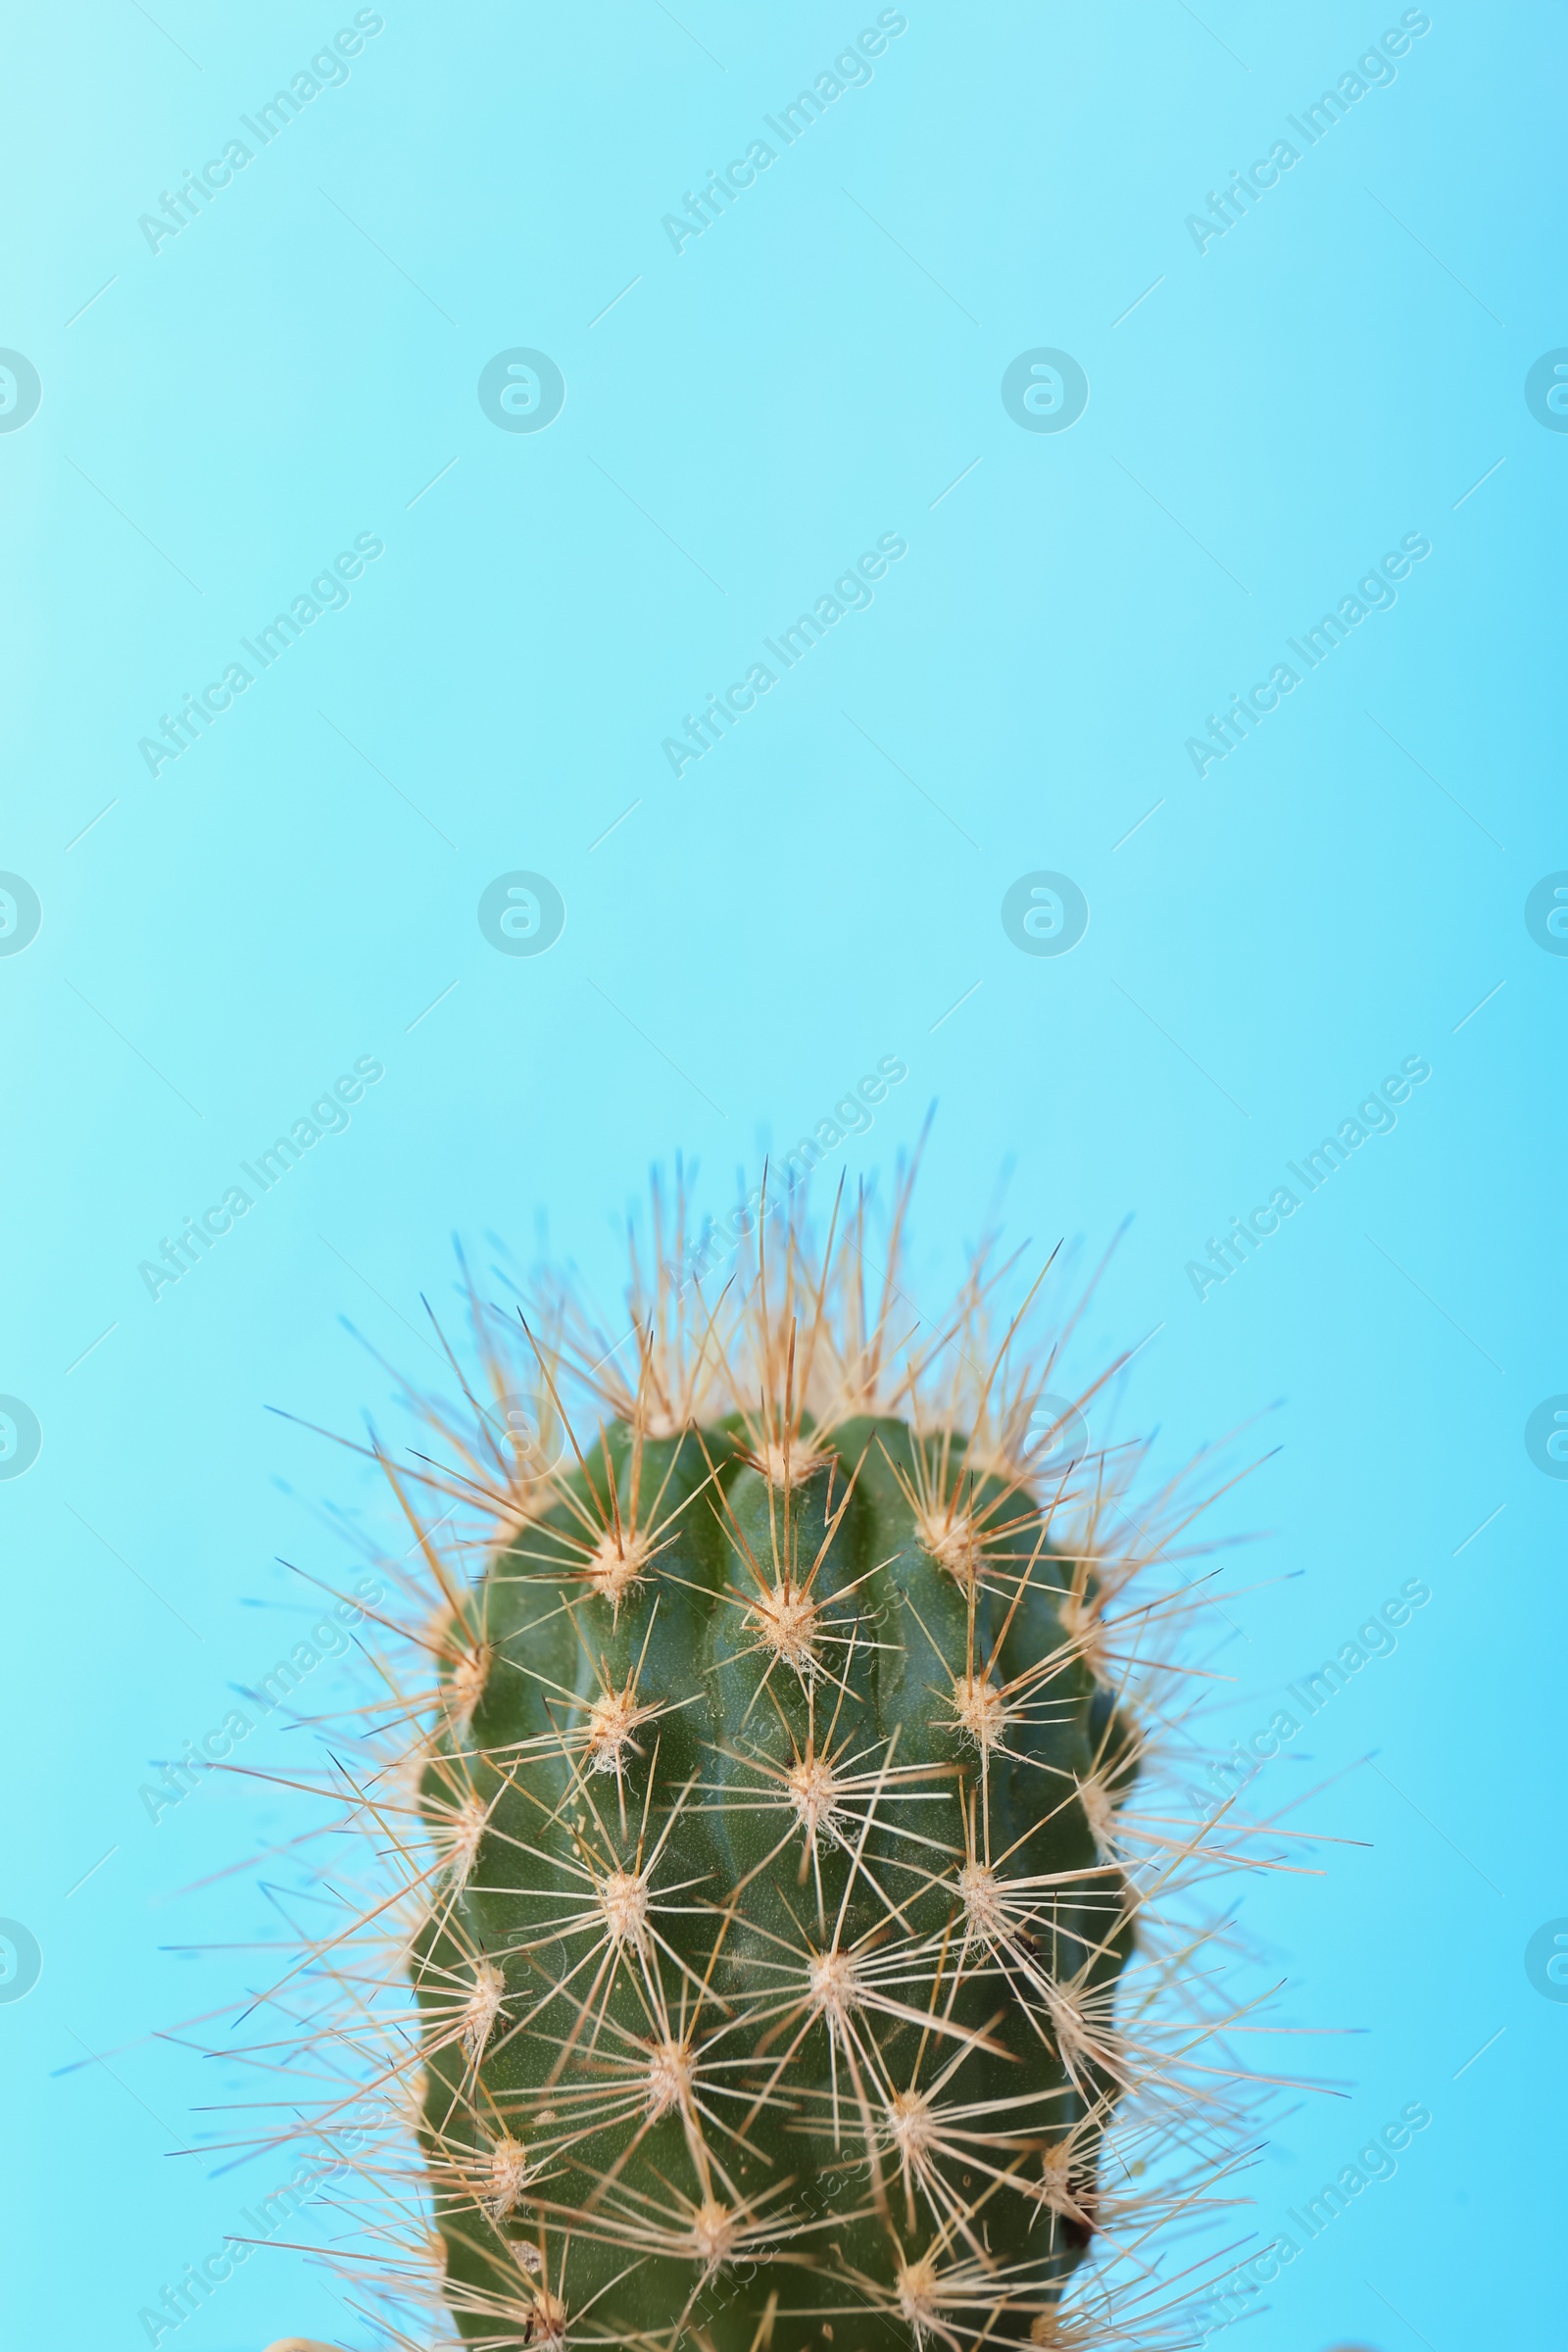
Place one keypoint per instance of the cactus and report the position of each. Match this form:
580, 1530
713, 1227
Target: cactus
779, 1890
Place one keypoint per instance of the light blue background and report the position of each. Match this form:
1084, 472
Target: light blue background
294, 368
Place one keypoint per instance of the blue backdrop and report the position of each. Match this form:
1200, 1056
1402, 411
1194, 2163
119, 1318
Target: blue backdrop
409, 421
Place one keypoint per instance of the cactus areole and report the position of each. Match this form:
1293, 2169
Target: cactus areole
767, 1987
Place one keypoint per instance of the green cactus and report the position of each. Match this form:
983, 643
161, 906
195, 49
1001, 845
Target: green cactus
776, 1898
780, 1937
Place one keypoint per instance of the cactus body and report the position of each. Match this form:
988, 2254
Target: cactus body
766, 1934
767, 1992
